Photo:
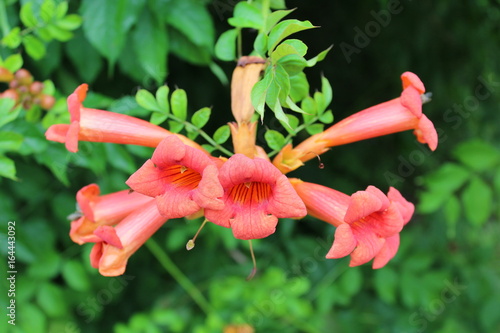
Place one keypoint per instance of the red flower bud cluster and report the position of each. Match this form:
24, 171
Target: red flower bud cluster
24, 89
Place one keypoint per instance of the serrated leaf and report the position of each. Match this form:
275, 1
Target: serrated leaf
246, 15
178, 103
201, 117
162, 99
146, 99
258, 94
326, 89
34, 47
260, 44
452, 210
222, 134
477, 199
326, 117
477, 155
107, 23
275, 17
10, 141
13, 62
315, 128
275, 140
151, 51
27, 15
7, 168
13, 38
284, 29
225, 48
313, 61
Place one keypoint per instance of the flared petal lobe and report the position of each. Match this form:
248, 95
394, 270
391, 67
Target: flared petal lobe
97, 210
103, 126
368, 222
256, 194
117, 244
181, 178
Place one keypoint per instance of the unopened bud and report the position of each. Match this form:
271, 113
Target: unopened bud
47, 102
5, 75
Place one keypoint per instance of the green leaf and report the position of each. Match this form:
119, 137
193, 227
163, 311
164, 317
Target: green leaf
275, 17
299, 87
185, 49
225, 48
260, 44
13, 62
107, 23
290, 46
70, 22
320, 102
477, 199
193, 20
431, 200
61, 10
13, 38
315, 128
178, 103
292, 63
247, 16
284, 29
7, 168
318, 58
326, 117
310, 108
27, 15
119, 158
58, 33
85, 59
151, 51
51, 299
386, 281
76, 276
47, 10
32, 319
278, 4
162, 99
327, 91
477, 154
293, 123
7, 114
447, 179
201, 117
175, 127
258, 94
146, 99
208, 147
34, 47
222, 134
275, 140
157, 118
10, 141
452, 210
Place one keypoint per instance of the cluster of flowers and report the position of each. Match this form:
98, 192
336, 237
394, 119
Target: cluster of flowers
246, 192
24, 90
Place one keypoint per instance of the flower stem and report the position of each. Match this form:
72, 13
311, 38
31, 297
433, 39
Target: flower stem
177, 274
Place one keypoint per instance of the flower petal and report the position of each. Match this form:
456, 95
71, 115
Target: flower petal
426, 132
387, 252
344, 242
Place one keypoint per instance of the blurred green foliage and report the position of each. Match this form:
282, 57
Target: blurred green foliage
445, 277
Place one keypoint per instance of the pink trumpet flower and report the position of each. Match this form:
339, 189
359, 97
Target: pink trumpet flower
117, 244
181, 178
397, 115
368, 222
104, 126
96, 210
256, 194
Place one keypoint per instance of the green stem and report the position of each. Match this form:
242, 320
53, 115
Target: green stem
289, 137
177, 274
202, 133
3, 18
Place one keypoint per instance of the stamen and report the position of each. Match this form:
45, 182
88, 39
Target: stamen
321, 165
183, 169
190, 244
254, 269
247, 184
